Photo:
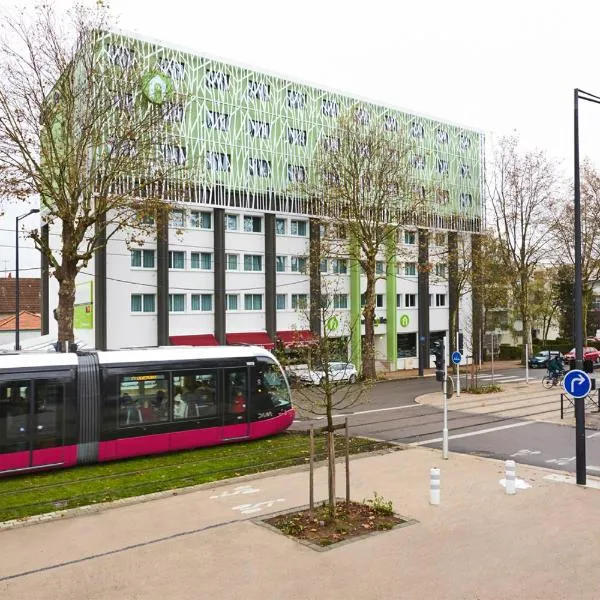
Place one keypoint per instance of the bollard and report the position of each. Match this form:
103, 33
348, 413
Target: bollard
434, 486
510, 476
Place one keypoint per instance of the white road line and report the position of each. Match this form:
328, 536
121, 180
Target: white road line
593, 468
362, 412
571, 479
593, 435
472, 433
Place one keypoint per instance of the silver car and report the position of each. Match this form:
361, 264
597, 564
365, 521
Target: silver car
338, 371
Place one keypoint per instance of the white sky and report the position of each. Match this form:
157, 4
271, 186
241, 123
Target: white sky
499, 66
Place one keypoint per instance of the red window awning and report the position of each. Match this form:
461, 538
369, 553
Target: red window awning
297, 337
205, 339
254, 338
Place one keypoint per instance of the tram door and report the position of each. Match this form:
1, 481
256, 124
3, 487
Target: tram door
236, 402
31, 423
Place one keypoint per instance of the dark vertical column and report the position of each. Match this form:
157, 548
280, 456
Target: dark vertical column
476, 299
452, 290
162, 277
270, 276
100, 320
315, 275
219, 244
45, 273
423, 297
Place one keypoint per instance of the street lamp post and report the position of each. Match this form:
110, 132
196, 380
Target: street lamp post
17, 306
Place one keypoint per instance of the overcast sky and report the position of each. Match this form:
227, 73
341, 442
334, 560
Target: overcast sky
501, 67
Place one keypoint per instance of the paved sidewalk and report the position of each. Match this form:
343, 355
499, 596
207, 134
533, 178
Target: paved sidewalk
478, 544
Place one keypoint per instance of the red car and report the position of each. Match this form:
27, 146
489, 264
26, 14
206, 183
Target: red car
589, 353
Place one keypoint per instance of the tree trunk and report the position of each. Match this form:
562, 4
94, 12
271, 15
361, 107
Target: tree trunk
330, 448
66, 275
369, 315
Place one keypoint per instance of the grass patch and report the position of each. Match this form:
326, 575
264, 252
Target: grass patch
38, 493
484, 389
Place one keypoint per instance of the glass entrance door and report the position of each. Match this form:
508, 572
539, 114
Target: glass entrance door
236, 403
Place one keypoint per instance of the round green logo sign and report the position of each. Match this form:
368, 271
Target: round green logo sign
157, 87
332, 323
404, 320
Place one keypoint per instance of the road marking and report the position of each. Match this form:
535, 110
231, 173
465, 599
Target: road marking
248, 509
561, 462
472, 433
241, 489
593, 435
593, 468
570, 479
361, 412
526, 452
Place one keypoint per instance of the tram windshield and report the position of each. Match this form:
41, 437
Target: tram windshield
275, 383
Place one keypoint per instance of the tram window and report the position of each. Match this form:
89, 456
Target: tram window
275, 390
143, 398
194, 394
236, 389
14, 415
49, 395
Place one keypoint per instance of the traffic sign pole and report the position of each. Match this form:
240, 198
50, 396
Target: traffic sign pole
445, 386
457, 370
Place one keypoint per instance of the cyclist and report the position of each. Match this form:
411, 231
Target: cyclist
555, 368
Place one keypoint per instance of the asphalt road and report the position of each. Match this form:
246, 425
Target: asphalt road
389, 412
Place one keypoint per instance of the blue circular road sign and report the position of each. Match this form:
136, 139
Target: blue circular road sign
456, 357
577, 383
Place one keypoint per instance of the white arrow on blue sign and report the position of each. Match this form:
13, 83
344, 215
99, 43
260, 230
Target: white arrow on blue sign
577, 383
456, 357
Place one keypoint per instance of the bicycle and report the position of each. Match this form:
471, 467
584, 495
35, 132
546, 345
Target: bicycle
549, 381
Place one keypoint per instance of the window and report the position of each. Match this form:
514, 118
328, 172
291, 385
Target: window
176, 259
281, 301
259, 129
280, 226
252, 224
231, 262
398, 300
466, 200
194, 394
120, 56
440, 270
252, 262
299, 301
596, 303
442, 166
339, 266
419, 192
418, 161
298, 264
123, 101
296, 173
296, 136
143, 398
430, 296
176, 302
442, 196
217, 80
218, 161
296, 99
323, 265
142, 258
298, 228
173, 68
331, 144
281, 264
176, 218
407, 345
231, 222
330, 108
340, 301
201, 260
259, 90
410, 300
439, 239
464, 142
217, 120
390, 123
172, 112
200, 219
253, 301
379, 300
202, 302
440, 299
143, 303
259, 167
410, 237
410, 269
232, 301
441, 136
362, 116
465, 171
417, 130
174, 155
379, 267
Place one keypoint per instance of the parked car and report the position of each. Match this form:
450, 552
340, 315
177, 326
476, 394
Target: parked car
540, 360
338, 371
589, 353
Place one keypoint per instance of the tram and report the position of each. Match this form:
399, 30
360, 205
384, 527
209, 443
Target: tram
63, 409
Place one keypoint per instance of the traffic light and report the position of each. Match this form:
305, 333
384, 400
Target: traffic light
440, 358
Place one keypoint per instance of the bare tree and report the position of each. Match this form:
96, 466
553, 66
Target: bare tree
82, 130
363, 178
523, 194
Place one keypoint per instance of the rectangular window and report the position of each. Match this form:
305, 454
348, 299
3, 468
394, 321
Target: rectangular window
298, 264
465, 171
596, 302
418, 161
410, 269
217, 120
296, 137
201, 260
440, 299
340, 301
172, 112
143, 398
442, 166
174, 155
281, 264
464, 142
143, 303
323, 265
398, 300
330, 108
379, 267
252, 262
417, 130
440, 270
410, 300
252, 224
407, 345
466, 201
120, 56
259, 90
440, 239
217, 80
362, 116
281, 301
177, 218
259, 167
379, 300
231, 261
259, 129
410, 237
442, 136
430, 296
339, 266
142, 258
173, 68
232, 301
253, 301
176, 302
200, 219
296, 99
442, 196
299, 301
231, 222
390, 123
194, 394
296, 173
176, 259
299, 228
218, 161
280, 226
202, 302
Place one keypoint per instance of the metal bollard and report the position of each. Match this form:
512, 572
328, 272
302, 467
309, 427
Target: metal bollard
510, 477
434, 486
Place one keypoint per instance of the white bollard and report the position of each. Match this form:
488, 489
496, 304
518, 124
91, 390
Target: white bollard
510, 477
434, 486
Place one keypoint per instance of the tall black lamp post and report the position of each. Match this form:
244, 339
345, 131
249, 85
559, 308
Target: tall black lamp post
17, 307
